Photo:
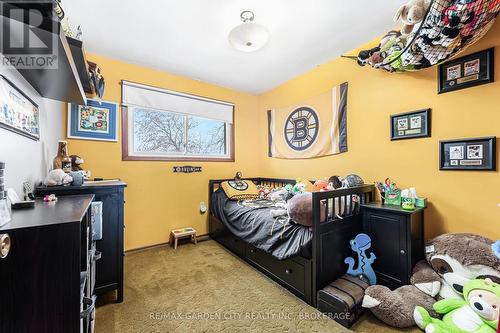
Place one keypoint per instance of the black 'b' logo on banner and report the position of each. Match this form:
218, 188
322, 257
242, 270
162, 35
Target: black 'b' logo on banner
301, 128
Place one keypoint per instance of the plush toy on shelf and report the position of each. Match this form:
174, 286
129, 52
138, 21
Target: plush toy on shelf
412, 14
477, 313
76, 163
57, 177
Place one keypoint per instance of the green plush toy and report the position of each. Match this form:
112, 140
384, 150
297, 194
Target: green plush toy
478, 313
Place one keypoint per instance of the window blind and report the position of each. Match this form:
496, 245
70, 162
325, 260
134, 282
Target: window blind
139, 95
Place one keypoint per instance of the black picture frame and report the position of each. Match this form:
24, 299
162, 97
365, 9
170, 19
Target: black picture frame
468, 71
4, 124
477, 154
411, 131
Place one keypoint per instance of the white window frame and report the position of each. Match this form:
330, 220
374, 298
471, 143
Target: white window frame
128, 153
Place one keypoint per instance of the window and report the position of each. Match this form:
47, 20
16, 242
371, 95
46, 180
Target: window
178, 127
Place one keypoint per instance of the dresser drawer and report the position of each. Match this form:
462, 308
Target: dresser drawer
287, 271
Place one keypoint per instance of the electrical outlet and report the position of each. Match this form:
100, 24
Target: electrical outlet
203, 207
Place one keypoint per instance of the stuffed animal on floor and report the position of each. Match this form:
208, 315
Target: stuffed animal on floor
452, 260
477, 313
57, 177
411, 14
395, 308
459, 258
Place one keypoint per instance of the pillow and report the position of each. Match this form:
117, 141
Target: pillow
300, 209
240, 189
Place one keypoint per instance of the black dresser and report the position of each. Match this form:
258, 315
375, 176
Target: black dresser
397, 241
44, 267
111, 194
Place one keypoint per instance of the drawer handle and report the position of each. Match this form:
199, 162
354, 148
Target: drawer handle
403, 252
4, 245
252, 250
288, 271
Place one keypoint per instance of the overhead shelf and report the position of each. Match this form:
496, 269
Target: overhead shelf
61, 81
80, 59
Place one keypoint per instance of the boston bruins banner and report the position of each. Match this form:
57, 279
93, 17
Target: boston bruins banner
316, 128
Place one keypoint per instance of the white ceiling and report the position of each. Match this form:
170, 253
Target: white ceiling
189, 37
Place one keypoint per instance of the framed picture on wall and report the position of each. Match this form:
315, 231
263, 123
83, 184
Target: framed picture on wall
466, 72
410, 125
468, 154
18, 113
95, 121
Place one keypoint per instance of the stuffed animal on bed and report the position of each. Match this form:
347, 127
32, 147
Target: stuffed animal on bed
478, 312
452, 260
320, 185
302, 185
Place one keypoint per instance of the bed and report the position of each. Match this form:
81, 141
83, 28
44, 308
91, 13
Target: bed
301, 259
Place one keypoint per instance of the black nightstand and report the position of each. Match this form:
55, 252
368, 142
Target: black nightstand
397, 241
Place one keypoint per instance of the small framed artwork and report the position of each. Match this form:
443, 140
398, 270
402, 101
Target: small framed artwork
18, 113
95, 121
468, 71
410, 125
468, 154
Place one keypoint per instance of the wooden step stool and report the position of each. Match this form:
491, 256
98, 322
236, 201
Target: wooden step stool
177, 234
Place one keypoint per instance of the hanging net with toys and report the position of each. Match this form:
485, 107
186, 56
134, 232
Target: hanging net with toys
433, 31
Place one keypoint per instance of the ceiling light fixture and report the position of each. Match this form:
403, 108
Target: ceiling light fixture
248, 36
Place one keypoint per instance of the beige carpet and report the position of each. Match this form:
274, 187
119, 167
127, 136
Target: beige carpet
204, 288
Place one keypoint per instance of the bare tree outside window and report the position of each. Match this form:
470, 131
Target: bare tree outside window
163, 132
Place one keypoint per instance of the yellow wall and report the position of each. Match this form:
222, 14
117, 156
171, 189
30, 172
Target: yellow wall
157, 200
460, 201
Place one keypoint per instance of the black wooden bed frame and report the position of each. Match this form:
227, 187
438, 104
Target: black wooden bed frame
302, 276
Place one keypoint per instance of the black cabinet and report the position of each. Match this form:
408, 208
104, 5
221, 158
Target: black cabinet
44, 253
110, 266
397, 241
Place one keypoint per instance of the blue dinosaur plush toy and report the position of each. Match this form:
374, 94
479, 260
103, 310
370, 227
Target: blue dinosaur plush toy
360, 244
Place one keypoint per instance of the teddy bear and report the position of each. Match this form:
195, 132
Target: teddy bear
411, 14
452, 260
478, 312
